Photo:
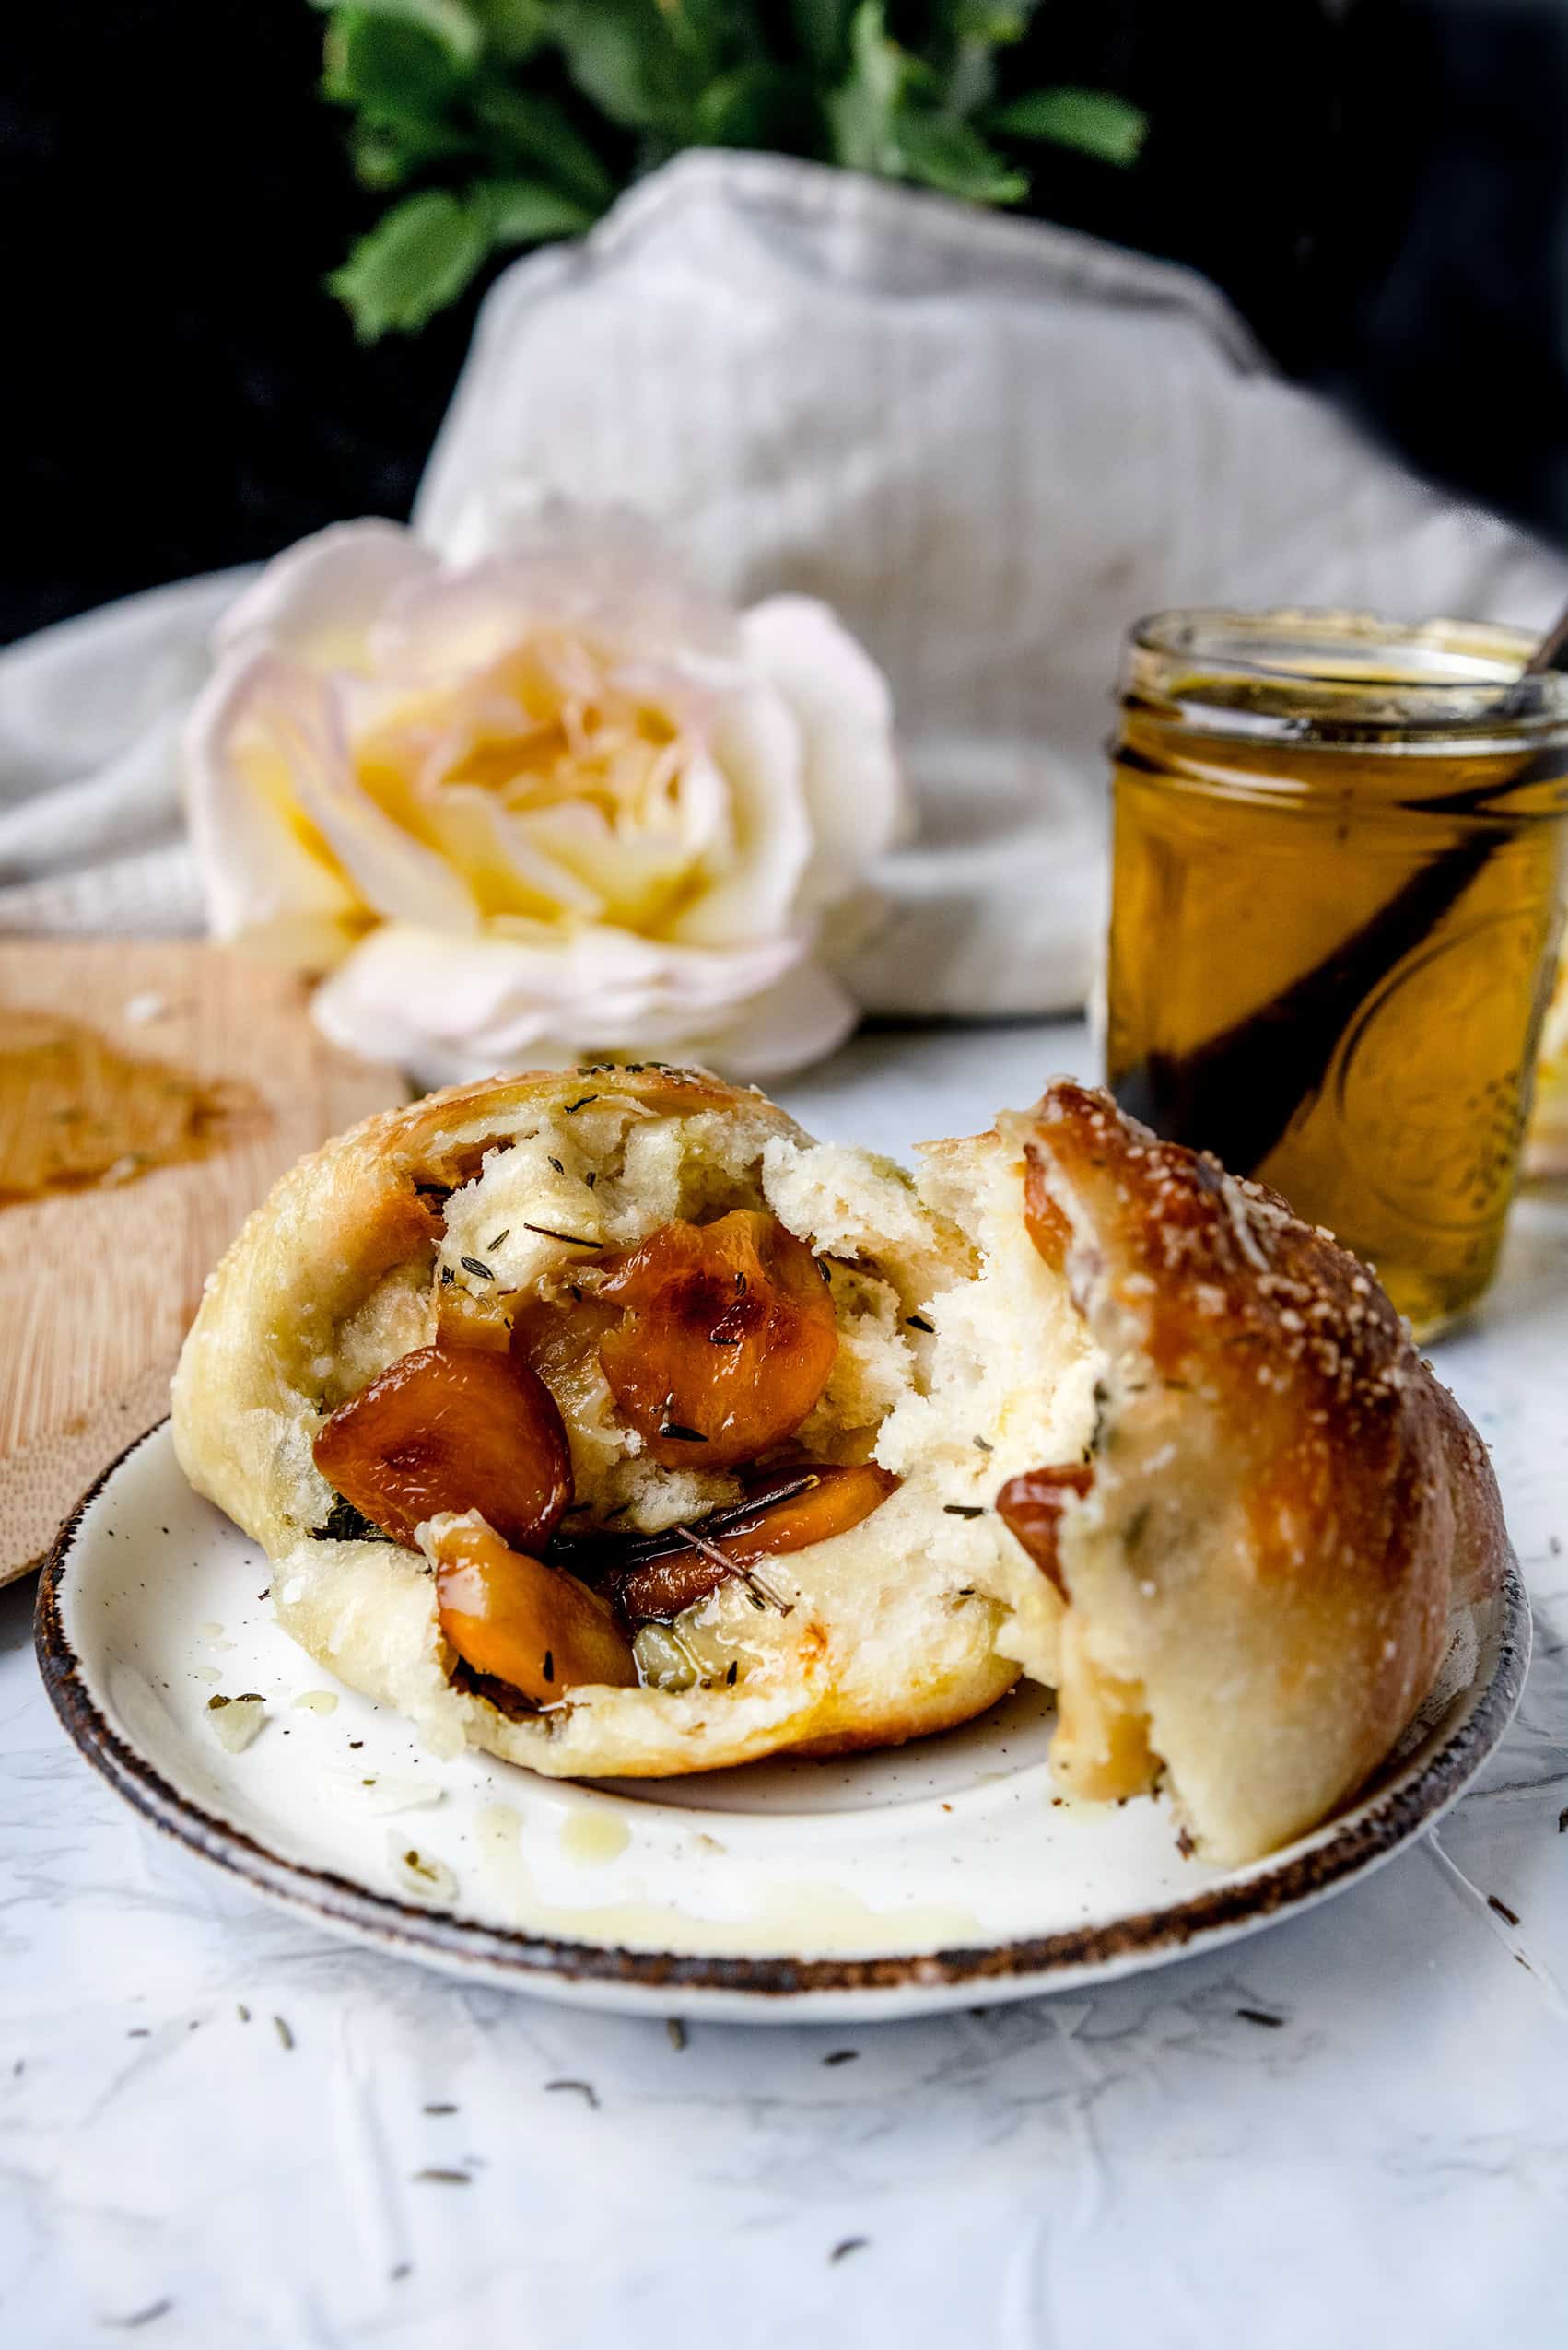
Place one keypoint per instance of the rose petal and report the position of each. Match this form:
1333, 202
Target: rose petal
450, 1009
806, 1016
448, 626
266, 746
397, 876
753, 741
262, 880
506, 858
853, 785
633, 878
320, 598
631, 575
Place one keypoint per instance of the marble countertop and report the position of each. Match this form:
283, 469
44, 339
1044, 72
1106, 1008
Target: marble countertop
220, 2127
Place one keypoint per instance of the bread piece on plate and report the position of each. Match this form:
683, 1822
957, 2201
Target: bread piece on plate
698, 1441
1286, 1506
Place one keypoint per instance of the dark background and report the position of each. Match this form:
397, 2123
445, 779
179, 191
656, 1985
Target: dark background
1381, 185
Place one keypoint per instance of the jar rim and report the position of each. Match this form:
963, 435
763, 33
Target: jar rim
1341, 676
1482, 651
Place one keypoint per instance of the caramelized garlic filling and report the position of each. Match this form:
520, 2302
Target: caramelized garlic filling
960, 1360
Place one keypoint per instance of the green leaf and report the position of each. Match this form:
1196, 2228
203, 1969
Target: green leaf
512, 29
982, 20
942, 152
400, 84
418, 257
860, 111
379, 162
388, 156
387, 67
447, 22
621, 55
1090, 120
880, 124
540, 134
708, 31
527, 212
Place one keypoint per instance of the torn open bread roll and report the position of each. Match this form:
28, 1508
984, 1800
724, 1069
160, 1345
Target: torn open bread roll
605, 1420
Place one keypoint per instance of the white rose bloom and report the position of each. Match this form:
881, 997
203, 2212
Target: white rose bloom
539, 798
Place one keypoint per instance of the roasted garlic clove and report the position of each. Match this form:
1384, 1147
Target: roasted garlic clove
725, 1341
664, 1660
451, 1428
701, 1558
515, 1619
1031, 1507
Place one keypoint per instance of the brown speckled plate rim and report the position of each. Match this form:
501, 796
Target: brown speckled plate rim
1372, 1832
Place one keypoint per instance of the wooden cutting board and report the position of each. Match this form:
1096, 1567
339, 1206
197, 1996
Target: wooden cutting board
98, 1285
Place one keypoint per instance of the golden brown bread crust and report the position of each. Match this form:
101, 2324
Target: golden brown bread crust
1286, 1508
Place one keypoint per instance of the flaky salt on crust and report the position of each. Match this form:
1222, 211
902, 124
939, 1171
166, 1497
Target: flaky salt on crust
1256, 1586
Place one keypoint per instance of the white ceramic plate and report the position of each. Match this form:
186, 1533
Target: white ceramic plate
940, 1875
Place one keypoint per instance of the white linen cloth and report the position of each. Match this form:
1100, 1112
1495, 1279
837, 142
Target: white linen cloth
989, 443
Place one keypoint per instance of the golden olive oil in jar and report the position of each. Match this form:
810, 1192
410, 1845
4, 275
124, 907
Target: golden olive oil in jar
1337, 882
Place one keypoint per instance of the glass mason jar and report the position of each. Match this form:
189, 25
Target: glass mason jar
1336, 889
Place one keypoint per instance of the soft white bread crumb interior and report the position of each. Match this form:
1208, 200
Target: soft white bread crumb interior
961, 1361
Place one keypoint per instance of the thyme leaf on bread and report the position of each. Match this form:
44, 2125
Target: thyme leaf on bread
343, 1523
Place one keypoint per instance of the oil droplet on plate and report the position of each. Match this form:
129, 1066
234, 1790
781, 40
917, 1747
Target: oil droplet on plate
316, 1702
595, 1835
